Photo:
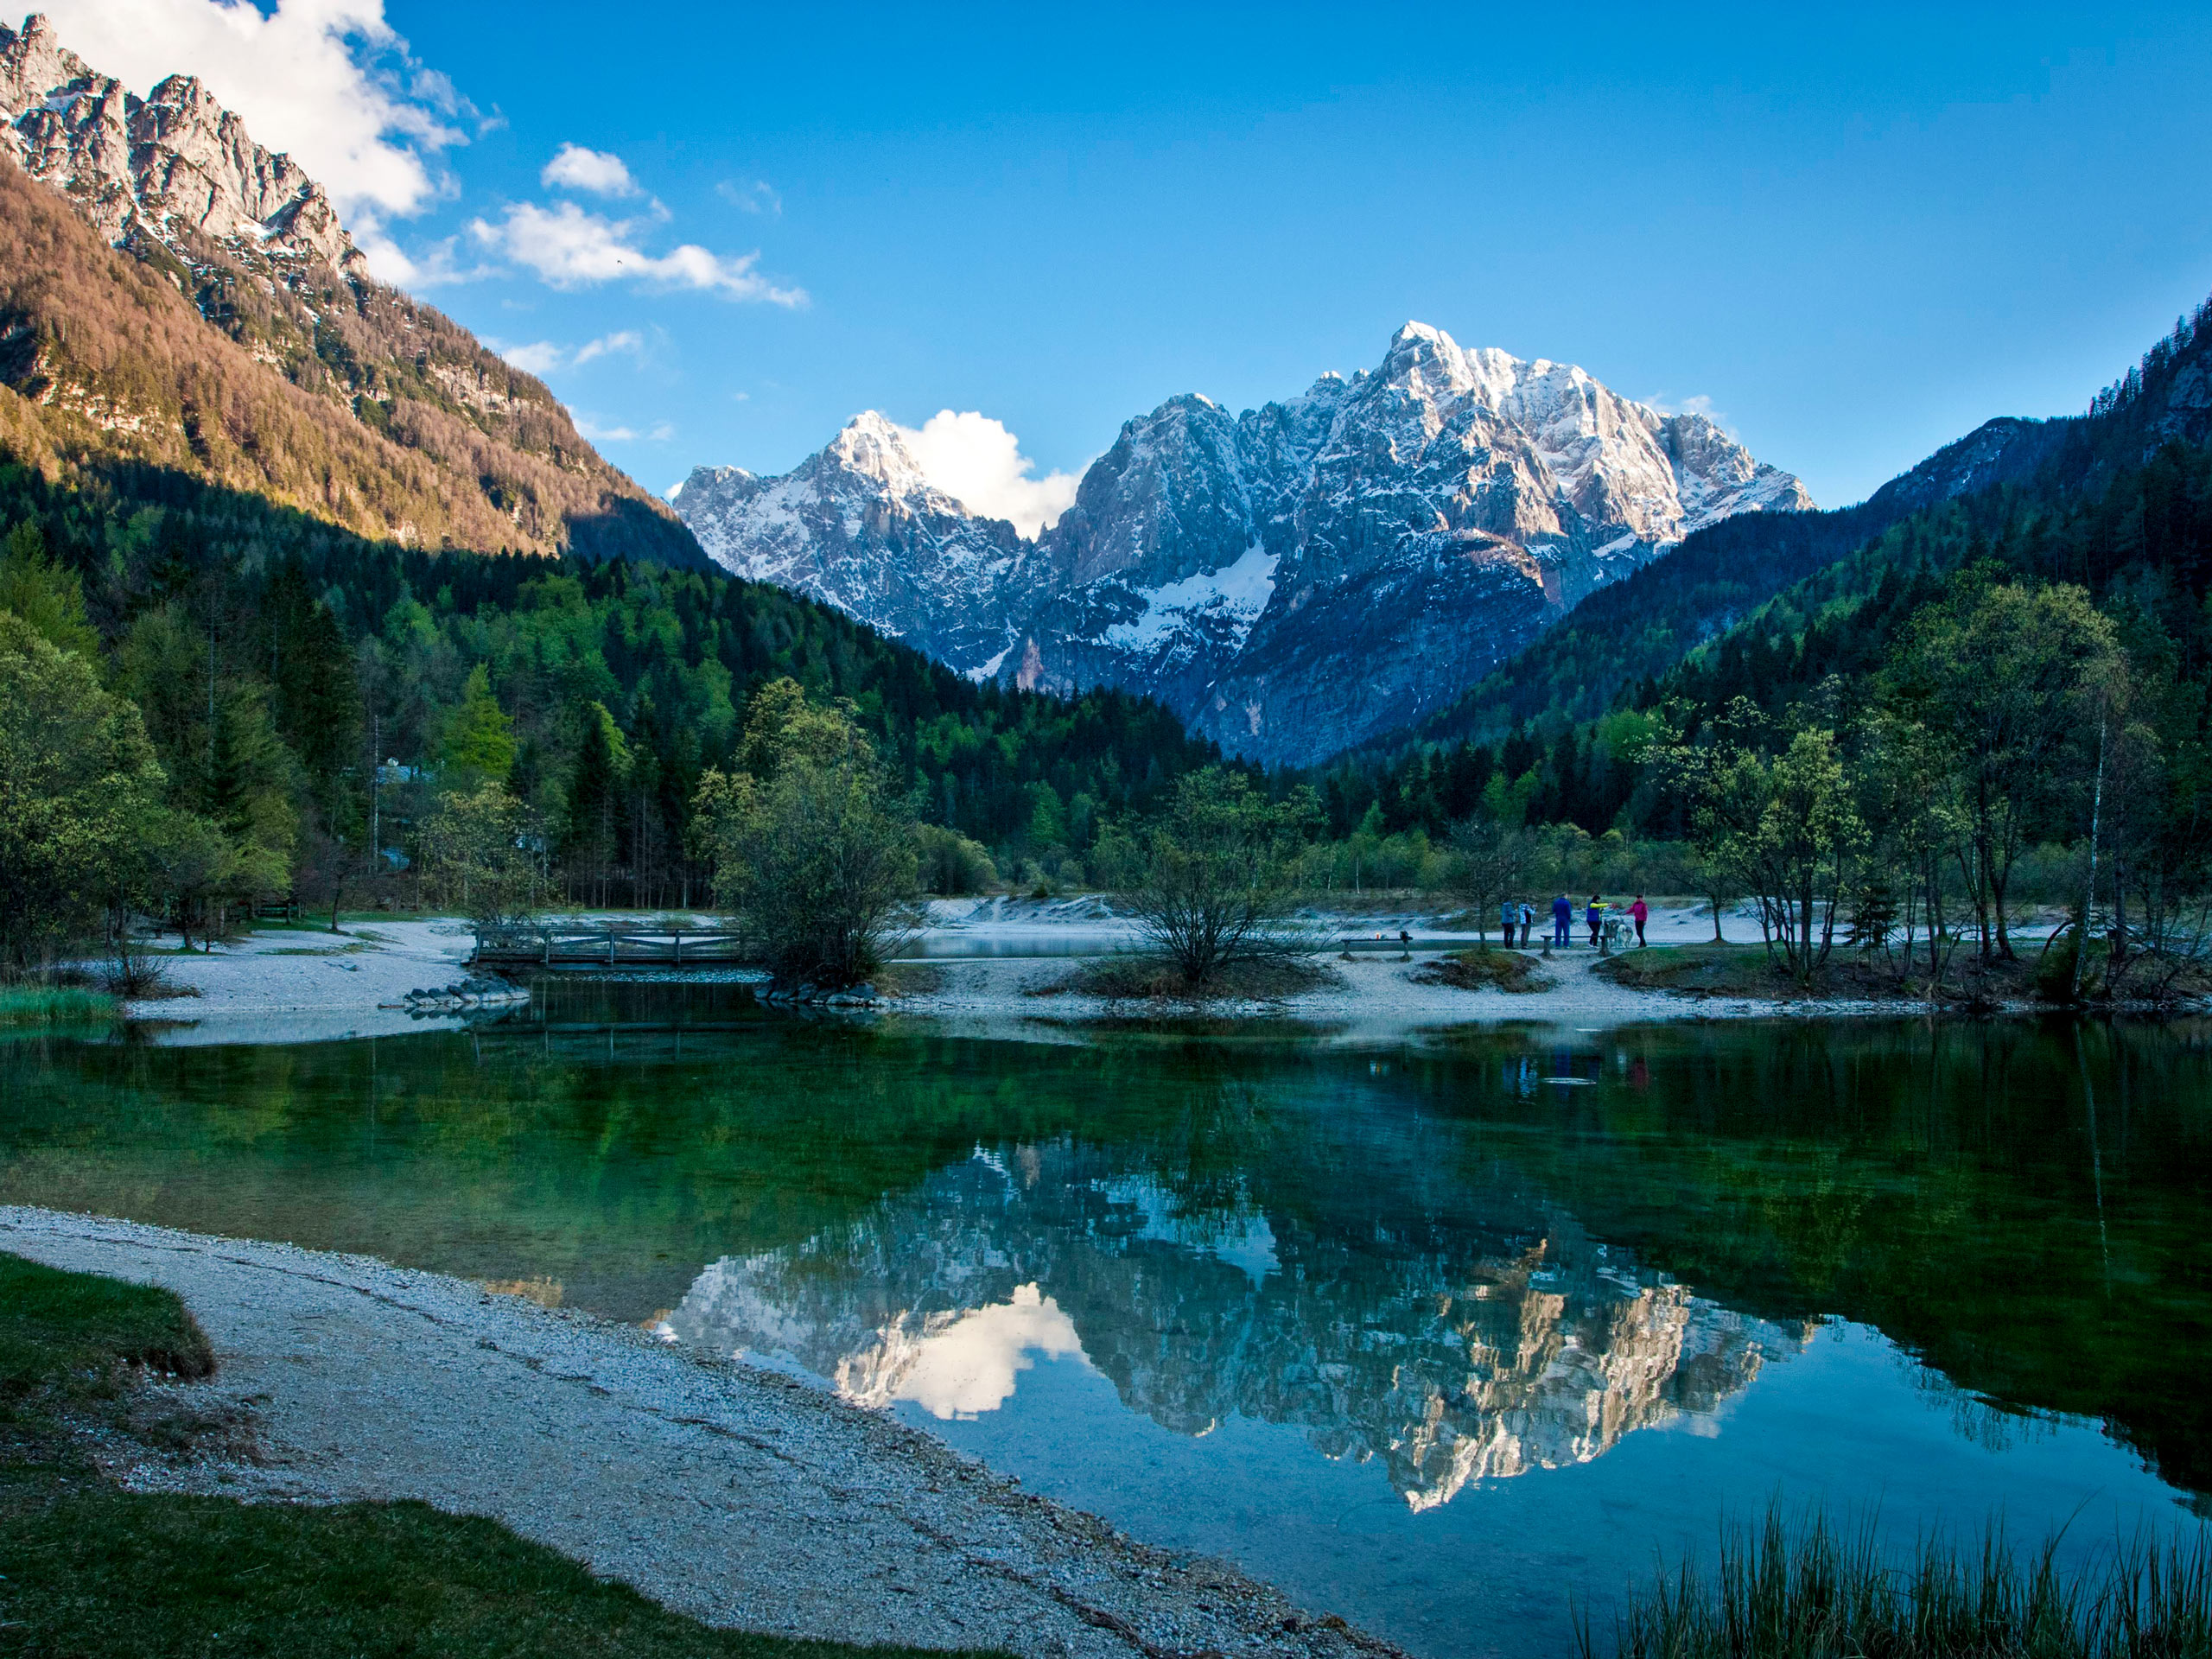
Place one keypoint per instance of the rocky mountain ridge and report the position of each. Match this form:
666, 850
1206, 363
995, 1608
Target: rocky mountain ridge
1291, 579
273, 364
173, 160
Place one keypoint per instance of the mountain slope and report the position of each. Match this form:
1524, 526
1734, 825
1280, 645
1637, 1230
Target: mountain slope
172, 294
1291, 581
1640, 628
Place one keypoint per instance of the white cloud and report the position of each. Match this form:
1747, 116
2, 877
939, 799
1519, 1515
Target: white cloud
1700, 405
570, 248
751, 196
623, 340
542, 357
438, 266
660, 432
979, 463
964, 1366
575, 167
329, 81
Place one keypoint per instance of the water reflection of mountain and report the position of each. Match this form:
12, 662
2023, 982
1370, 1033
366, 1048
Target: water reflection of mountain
1455, 1351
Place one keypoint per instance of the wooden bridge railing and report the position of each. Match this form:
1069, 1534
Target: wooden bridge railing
608, 947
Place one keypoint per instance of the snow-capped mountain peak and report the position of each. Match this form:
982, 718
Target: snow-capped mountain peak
1289, 580
870, 445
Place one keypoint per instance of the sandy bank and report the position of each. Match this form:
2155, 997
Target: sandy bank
736, 1496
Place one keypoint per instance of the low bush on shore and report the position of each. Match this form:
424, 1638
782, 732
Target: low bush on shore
86, 1568
1813, 1591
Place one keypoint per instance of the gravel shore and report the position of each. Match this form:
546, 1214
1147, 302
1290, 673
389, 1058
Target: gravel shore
308, 985
989, 957
739, 1497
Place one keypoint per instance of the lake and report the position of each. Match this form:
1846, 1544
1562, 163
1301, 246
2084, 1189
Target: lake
1451, 1338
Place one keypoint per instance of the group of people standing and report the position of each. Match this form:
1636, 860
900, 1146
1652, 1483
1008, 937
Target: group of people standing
1514, 914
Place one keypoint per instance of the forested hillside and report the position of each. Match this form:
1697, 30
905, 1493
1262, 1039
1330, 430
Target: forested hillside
271, 658
325, 392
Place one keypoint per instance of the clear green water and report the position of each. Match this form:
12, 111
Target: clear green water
1434, 1342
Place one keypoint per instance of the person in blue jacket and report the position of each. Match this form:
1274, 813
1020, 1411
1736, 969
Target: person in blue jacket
1562, 918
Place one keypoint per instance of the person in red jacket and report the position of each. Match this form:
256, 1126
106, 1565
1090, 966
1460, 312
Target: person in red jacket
1639, 911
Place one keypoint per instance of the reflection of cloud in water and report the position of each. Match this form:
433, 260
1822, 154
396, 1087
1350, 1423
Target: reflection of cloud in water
1450, 1338
958, 1365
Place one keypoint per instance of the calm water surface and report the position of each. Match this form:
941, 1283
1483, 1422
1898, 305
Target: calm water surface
1440, 1337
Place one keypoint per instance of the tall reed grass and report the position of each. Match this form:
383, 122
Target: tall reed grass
54, 1005
1813, 1591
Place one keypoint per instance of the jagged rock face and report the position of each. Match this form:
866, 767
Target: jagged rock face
1418, 524
176, 158
1456, 1354
1310, 574
859, 527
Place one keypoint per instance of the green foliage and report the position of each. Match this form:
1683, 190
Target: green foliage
1220, 875
815, 854
54, 1005
44, 594
476, 847
79, 790
477, 743
949, 863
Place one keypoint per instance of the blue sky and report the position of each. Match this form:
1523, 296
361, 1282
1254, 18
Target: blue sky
1854, 231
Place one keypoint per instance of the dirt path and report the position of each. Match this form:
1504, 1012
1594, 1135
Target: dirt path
735, 1495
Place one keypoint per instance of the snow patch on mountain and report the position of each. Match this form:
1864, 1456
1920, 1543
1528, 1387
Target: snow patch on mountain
1235, 594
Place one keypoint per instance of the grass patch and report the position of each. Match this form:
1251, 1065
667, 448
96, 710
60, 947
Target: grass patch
1812, 1591
86, 1569
1698, 971
1746, 970
1485, 968
94, 1570
896, 979
54, 1005
1153, 979
62, 1331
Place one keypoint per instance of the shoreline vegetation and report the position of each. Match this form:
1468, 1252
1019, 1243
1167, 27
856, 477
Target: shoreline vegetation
1814, 1588
1994, 706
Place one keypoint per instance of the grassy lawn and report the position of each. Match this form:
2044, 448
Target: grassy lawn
93, 1570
